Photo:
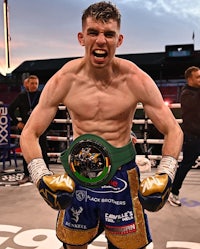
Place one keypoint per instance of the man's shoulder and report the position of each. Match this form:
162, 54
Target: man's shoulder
189, 89
21, 95
127, 67
72, 64
68, 69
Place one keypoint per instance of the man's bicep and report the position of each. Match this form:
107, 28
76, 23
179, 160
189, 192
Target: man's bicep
162, 117
40, 119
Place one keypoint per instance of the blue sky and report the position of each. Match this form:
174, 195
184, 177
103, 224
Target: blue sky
44, 29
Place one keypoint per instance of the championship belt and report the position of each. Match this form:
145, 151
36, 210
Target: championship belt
92, 162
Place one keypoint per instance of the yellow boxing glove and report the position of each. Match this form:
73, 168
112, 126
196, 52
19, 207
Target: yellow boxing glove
154, 190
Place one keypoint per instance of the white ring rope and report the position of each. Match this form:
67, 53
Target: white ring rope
64, 139
135, 121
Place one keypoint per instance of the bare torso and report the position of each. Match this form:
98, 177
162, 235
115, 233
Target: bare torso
104, 108
101, 101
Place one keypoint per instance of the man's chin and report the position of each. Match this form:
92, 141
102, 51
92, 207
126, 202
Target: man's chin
99, 60
98, 64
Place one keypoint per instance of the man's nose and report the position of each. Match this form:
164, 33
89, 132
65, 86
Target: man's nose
101, 39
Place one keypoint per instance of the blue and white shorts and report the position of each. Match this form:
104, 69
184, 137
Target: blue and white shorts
116, 205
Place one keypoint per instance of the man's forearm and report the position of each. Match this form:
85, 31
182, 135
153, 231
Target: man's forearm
173, 144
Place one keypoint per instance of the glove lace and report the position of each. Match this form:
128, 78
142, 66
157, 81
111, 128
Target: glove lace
168, 165
37, 169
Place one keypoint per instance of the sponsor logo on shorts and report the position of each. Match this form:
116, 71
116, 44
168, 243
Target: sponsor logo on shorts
122, 229
76, 213
115, 218
82, 195
116, 185
118, 203
77, 226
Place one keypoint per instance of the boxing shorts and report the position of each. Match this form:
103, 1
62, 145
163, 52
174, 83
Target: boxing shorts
114, 204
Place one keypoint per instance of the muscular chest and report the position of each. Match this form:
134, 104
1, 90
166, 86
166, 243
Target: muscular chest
95, 103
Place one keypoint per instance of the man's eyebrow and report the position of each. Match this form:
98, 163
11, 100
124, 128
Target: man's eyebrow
105, 31
91, 29
110, 32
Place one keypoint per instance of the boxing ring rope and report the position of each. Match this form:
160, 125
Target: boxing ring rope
144, 141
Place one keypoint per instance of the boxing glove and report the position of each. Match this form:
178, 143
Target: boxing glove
56, 189
154, 190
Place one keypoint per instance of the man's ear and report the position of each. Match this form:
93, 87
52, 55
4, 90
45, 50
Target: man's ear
120, 40
81, 39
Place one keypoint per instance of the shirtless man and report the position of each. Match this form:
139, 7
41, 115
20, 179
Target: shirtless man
101, 93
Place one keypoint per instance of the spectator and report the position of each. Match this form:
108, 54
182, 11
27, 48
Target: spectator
190, 102
22, 106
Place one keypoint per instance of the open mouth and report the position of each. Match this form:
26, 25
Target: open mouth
100, 53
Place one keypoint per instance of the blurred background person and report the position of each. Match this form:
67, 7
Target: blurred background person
190, 102
22, 106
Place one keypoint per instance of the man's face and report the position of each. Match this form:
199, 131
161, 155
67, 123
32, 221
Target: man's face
194, 80
100, 41
33, 85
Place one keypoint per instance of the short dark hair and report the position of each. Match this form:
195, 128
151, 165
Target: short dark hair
103, 11
190, 70
32, 76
